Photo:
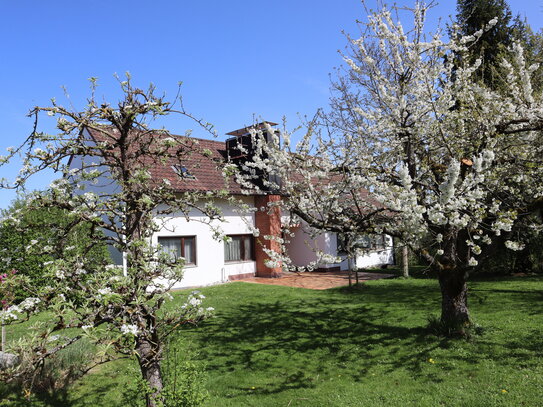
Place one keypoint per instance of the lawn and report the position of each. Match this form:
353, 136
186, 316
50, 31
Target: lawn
281, 346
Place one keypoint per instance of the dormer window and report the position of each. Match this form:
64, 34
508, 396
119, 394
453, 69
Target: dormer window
182, 171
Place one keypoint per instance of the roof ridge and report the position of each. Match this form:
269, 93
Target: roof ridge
151, 131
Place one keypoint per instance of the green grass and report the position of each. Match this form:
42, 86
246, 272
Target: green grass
281, 346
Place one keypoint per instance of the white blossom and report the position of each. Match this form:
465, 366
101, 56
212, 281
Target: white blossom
129, 329
103, 292
193, 301
515, 246
29, 304
472, 262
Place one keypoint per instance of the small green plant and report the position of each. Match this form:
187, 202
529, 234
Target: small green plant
183, 383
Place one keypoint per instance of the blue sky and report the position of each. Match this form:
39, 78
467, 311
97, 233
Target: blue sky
237, 58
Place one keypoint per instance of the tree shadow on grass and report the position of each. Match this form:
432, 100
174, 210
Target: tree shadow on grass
292, 381
315, 336
294, 337
522, 301
352, 331
12, 396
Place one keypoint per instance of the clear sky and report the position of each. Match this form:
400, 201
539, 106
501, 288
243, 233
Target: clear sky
237, 59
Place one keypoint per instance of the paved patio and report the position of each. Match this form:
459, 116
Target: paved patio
315, 280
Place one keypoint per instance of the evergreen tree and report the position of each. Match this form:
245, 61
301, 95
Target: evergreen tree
474, 15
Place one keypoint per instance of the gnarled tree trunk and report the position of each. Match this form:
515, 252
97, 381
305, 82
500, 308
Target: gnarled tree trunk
454, 299
148, 352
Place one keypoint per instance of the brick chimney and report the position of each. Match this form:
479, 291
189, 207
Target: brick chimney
268, 223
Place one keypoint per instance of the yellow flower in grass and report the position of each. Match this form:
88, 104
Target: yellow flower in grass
431, 361
504, 391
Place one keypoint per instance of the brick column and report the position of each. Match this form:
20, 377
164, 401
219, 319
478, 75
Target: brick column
268, 222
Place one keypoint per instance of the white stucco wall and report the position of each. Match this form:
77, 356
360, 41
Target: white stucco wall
374, 258
210, 267
302, 247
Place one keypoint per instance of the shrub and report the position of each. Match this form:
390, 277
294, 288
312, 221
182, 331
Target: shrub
183, 383
21, 226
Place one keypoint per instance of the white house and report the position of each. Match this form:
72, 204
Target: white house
210, 261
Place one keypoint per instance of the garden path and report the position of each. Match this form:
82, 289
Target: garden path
316, 280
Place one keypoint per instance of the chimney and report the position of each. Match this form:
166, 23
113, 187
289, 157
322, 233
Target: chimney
268, 222
240, 149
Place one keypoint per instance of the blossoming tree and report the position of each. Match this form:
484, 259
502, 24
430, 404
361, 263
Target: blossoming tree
415, 148
105, 154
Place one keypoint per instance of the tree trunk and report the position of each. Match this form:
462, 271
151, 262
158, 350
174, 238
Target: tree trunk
350, 266
405, 261
3, 338
149, 360
454, 299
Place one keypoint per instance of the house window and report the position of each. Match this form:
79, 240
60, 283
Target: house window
378, 242
180, 246
182, 171
375, 242
240, 248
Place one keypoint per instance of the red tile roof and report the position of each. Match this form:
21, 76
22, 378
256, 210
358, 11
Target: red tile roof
206, 169
204, 159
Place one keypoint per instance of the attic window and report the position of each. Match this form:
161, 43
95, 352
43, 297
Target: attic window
182, 171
